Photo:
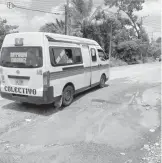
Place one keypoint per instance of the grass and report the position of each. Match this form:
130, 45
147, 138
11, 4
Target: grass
117, 62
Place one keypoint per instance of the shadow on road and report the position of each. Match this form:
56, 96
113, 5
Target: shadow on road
82, 94
44, 110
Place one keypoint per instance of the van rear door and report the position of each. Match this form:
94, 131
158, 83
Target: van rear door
21, 70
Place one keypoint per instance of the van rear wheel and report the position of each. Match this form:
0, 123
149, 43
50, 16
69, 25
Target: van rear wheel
102, 81
68, 95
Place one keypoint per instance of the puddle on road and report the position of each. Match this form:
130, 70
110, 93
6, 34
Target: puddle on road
151, 96
150, 100
103, 103
150, 119
117, 135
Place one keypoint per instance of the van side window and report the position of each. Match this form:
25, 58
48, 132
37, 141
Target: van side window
93, 54
61, 56
77, 56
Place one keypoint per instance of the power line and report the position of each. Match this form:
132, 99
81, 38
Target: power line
46, 1
38, 10
36, 4
44, 7
11, 5
33, 1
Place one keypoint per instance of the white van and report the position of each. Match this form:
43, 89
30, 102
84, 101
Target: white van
42, 68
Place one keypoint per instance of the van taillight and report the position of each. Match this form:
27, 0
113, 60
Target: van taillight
2, 79
46, 79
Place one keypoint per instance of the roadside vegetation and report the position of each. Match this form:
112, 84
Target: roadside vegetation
130, 41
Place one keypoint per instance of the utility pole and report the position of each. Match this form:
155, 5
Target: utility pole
66, 17
110, 46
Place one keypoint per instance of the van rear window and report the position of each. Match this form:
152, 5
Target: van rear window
21, 57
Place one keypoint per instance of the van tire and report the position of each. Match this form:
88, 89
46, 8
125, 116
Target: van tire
58, 104
102, 81
67, 95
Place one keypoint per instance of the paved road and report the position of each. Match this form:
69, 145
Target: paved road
109, 125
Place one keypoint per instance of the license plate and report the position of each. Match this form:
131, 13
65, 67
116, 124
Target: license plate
18, 82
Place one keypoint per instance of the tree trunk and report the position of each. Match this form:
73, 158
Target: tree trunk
133, 24
135, 27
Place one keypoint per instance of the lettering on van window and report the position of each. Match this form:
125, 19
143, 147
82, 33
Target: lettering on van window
25, 91
18, 57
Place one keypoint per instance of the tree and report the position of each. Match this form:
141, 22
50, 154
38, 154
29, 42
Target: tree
57, 27
128, 7
99, 29
144, 35
155, 48
80, 13
5, 29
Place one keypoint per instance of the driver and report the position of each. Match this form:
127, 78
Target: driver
69, 57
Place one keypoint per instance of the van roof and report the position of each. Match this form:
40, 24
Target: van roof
60, 37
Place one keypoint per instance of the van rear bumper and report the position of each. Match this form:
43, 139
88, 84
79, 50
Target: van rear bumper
47, 98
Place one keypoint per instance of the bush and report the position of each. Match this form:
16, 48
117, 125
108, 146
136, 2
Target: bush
128, 51
150, 60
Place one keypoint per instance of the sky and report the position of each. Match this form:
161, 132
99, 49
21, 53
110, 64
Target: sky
32, 21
